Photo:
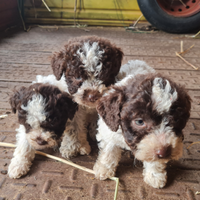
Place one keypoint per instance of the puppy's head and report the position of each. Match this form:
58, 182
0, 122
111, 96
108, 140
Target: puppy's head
152, 112
89, 64
43, 110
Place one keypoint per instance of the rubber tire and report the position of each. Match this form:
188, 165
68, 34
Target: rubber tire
168, 23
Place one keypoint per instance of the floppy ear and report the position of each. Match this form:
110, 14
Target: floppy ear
73, 107
68, 105
117, 61
58, 64
119, 57
109, 107
16, 99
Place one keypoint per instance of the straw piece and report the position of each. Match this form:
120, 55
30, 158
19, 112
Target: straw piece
46, 6
177, 54
3, 144
3, 116
181, 46
197, 193
182, 53
137, 20
183, 3
66, 162
197, 34
192, 144
75, 4
53, 157
116, 187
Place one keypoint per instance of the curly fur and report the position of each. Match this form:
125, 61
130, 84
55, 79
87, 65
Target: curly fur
89, 65
75, 135
43, 111
144, 113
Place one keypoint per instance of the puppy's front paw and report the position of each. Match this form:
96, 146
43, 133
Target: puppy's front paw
102, 172
68, 153
18, 169
156, 180
85, 150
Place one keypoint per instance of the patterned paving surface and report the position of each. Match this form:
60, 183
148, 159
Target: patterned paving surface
24, 55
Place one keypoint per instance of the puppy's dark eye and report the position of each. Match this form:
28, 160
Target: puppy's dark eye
49, 119
139, 122
78, 78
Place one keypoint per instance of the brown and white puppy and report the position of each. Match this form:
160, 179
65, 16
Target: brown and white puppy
43, 111
145, 114
88, 65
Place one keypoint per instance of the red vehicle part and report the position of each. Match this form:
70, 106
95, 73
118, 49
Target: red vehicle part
180, 8
174, 16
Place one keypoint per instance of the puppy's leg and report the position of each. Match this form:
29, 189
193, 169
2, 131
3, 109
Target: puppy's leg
23, 155
81, 121
92, 127
85, 148
107, 161
74, 142
155, 174
75, 136
69, 145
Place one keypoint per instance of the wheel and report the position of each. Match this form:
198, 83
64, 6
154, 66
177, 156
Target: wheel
174, 16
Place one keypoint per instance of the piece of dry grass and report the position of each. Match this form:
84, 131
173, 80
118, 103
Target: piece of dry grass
3, 144
177, 54
193, 144
197, 193
3, 116
137, 20
183, 52
181, 46
46, 6
197, 34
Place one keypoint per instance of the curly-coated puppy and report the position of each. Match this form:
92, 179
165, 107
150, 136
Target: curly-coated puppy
89, 65
144, 113
43, 111
75, 137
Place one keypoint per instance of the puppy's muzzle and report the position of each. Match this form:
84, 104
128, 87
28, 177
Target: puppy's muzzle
93, 96
40, 141
164, 152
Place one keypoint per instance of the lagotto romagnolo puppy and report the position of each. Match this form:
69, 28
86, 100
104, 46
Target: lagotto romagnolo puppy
43, 111
75, 137
89, 65
144, 113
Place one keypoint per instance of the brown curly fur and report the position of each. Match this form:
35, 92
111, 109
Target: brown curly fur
125, 103
58, 106
66, 61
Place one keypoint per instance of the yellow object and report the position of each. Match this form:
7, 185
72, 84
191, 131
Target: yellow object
89, 12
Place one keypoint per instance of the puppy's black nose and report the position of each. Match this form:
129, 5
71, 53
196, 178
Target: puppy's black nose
164, 152
92, 97
40, 141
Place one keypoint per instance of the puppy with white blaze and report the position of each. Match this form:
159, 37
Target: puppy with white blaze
89, 65
43, 111
144, 113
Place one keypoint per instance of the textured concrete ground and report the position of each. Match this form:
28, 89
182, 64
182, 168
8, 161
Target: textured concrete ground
23, 55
